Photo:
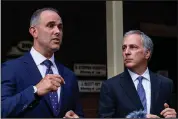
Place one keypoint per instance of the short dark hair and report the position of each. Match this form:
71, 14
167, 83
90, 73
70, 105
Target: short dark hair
35, 16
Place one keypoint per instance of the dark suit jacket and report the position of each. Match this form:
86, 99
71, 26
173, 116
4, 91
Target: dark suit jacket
17, 93
118, 96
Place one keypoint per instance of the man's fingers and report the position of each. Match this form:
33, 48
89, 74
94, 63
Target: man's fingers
169, 113
166, 105
60, 77
62, 80
58, 80
71, 114
166, 110
168, 116
152, 116
75, 116
68, 114
54, 88
56, 77
56, 83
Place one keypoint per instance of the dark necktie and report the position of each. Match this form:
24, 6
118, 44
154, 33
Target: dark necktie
53, 95
141, 93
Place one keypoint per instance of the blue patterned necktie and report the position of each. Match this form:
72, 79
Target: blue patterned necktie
141, 93
53, 95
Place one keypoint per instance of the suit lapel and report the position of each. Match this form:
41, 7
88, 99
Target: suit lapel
155, 88
129, 88
34, 73
31, 67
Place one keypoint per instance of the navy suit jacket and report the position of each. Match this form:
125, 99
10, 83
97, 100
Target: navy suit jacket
17, 93
119, 97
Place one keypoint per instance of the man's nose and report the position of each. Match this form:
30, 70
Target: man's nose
127, 51
57, 31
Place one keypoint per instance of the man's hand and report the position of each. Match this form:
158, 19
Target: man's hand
50, 82
71, 114
168, 112
152, 116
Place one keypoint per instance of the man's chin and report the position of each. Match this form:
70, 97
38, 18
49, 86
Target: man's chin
55, 49
129, 65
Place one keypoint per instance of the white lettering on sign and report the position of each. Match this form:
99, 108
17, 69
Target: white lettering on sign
90, 69
89, 86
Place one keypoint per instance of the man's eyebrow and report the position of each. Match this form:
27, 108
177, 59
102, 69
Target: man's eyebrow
50, 22
54, 23
133, 45
124, 45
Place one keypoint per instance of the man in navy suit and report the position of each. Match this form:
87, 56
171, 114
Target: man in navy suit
36, 85
137, 88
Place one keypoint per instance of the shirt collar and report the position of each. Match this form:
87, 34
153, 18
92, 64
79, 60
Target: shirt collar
39, 58
134, 76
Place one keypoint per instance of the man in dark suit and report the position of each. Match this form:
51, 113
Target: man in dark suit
36, 85
137, 88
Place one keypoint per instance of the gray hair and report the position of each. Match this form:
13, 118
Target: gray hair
147, 42
36, 15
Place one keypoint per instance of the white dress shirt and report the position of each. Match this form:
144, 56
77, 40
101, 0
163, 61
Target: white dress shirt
38, 59
146, 85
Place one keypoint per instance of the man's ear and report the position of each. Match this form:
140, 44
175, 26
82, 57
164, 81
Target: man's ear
33, 31
147, 54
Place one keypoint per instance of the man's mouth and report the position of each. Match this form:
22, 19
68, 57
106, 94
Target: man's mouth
128, 60
56, 39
